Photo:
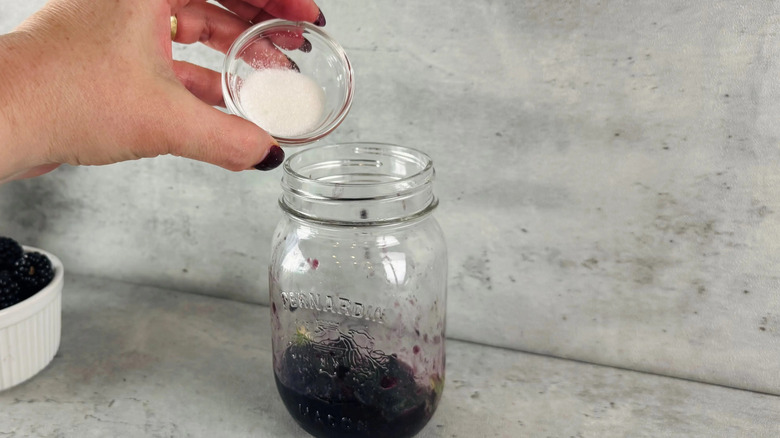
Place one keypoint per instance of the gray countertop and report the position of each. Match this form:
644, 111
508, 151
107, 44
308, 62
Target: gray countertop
146, 362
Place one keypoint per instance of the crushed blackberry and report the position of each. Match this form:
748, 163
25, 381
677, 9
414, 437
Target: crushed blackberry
32, 272
10, 293
344, 395
10, 252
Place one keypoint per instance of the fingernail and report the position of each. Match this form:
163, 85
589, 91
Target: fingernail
306, 46
320, 21
272, 160
293, 65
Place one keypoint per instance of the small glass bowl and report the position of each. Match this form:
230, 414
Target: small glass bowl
326, 63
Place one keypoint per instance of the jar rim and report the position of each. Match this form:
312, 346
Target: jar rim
364, 183
426, 163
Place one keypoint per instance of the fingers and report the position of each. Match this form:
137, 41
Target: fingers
218, 28
294, 10
258, 10
209, 24
204, 83
290, 40
32, 173
242, 9
197, 130
206, 134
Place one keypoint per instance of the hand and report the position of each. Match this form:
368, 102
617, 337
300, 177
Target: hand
91, 82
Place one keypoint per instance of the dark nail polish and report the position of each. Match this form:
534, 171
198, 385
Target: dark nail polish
320, 21
306, 46
274, 158
293, 65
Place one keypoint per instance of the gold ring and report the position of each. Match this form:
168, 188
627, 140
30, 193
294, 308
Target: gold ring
174, 26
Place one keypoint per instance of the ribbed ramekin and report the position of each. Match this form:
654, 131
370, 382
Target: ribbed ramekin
30, 330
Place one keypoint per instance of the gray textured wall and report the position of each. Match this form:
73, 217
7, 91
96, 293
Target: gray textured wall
608, 175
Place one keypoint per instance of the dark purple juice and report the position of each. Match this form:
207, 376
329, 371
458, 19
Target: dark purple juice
333, 393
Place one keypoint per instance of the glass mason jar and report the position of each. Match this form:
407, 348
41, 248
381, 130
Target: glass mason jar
358, 285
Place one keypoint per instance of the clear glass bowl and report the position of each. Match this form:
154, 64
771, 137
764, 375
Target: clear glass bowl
265, 45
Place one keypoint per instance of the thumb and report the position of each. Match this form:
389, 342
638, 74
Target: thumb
207, 134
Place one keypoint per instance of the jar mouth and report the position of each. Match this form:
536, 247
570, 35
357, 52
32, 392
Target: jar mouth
361, 182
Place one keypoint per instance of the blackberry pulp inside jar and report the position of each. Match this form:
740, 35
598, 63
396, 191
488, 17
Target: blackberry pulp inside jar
333, 391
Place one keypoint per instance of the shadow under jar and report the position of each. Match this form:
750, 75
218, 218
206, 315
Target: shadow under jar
358, 285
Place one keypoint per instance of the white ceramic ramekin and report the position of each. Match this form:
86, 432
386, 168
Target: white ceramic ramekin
30, 330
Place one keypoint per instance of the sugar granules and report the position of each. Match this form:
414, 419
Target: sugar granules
282, 101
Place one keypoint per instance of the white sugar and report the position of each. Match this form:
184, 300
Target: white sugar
282, 101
